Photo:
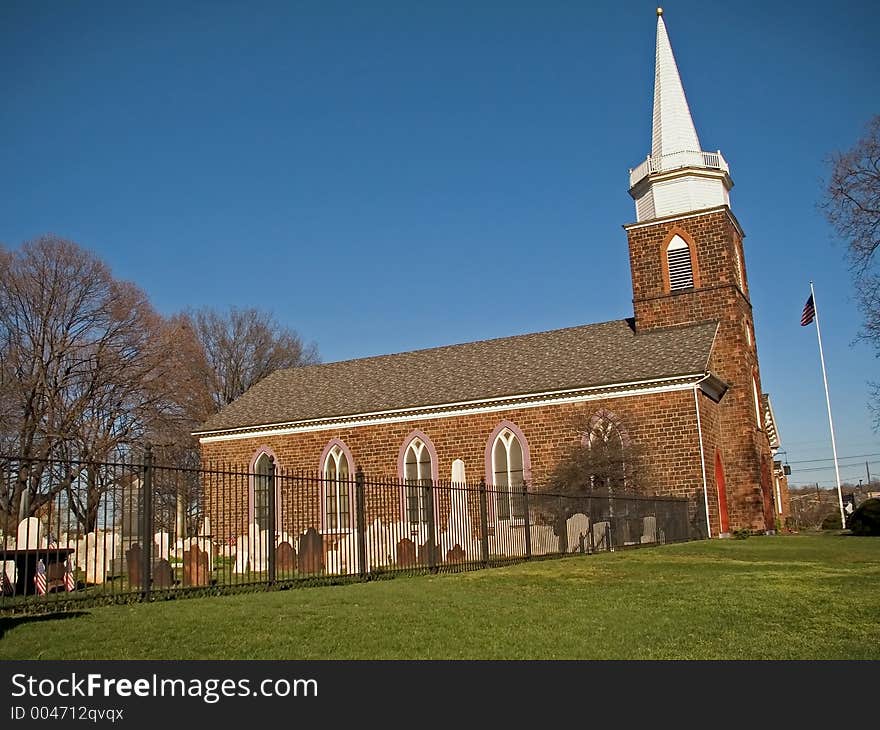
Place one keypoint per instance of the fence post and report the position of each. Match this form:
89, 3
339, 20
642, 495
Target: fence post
432, 526
360, 520
592, 524
484, 522
526, 521
147, 527
272, 523
656, 524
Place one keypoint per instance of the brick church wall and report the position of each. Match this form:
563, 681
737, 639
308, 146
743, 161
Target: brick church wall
663, 423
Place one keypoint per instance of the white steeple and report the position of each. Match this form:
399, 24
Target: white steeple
673, 127
677, 177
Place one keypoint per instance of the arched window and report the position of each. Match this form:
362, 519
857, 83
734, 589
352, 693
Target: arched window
417, 476
337, 490
679, 264
262, 485
509, 476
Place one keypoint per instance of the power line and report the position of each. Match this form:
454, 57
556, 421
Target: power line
860, 467
830, 458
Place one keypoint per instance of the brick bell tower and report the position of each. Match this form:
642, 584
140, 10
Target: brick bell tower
687, 262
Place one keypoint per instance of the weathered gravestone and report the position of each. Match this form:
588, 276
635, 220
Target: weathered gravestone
456, 555
311, 552
195, 567
577, 532
600, 535
134, 560
242, 554
406, 553
425, 556
163, 577
162, 545
378, 545
29, 535
285, 558
649, 529
258, 548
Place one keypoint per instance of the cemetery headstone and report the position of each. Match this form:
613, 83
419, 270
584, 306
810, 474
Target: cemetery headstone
30, 534
242, 556
134, 558
196, 571
578, 528
285, 559
163, 576
456, 554
424, 556
161, 545
600, 536
649, 529
406, 553
311, 552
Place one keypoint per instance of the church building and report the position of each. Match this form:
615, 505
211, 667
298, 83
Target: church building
679, 378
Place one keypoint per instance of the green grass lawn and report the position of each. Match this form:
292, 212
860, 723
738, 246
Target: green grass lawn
787, 597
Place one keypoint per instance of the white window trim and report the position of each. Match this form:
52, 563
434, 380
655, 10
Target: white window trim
336, 453
419, 448
507, 437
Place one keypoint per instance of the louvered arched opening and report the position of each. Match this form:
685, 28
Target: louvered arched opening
679, 264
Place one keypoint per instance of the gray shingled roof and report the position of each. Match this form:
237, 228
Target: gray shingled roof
577, 357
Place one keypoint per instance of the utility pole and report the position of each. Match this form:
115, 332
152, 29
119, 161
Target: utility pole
868, 472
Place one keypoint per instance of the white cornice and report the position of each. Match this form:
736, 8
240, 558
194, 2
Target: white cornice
681, 217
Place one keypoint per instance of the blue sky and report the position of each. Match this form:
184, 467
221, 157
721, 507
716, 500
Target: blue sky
388, 176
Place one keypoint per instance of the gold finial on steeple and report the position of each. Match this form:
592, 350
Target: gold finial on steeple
659, 11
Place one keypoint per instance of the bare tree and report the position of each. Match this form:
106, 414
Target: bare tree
87, 367
852, 206
852, 199
600, 463
243, 346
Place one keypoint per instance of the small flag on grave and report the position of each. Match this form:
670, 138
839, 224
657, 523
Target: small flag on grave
40, 579
69, 578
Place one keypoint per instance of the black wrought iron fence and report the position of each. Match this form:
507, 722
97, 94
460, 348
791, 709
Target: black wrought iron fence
131, 530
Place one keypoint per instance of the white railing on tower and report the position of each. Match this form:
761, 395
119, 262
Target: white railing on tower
676, 160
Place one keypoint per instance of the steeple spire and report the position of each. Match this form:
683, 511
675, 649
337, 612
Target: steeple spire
673, 129
677, 177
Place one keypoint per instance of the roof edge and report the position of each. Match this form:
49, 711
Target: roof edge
510, 401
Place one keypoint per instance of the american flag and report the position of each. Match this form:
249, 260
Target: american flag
5, 583
809, 312
40, 579
69, 577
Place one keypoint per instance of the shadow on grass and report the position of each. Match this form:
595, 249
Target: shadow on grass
10, 622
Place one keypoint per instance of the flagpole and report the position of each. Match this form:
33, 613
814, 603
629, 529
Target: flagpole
828, 402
